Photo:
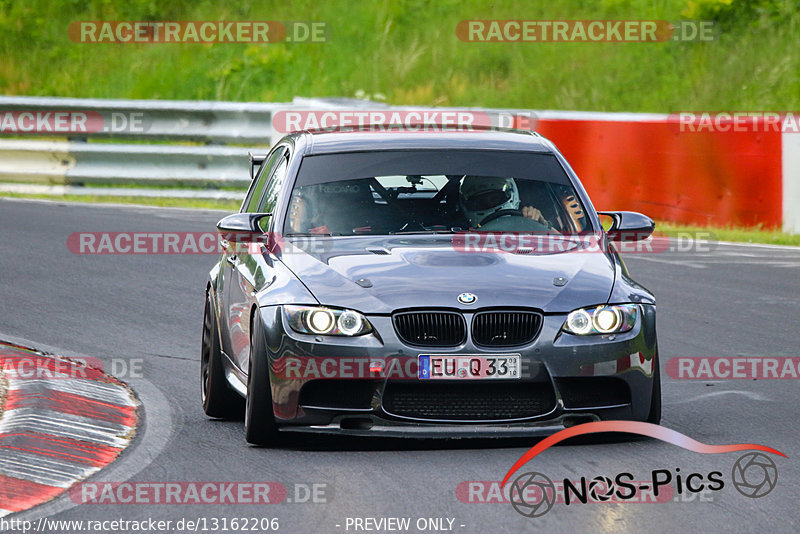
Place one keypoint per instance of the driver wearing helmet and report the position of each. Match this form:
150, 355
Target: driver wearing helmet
487, 198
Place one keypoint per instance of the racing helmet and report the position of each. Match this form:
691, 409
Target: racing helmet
480, 196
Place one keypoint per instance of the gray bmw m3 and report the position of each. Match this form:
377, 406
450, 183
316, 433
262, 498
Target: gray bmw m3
425, 284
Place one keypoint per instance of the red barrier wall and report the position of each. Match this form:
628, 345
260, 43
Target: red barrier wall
716, 178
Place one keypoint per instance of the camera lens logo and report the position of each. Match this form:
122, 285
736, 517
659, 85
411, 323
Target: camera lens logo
601, 489
532, 494
754, 475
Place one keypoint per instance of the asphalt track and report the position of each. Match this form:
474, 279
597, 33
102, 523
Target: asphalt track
734, 300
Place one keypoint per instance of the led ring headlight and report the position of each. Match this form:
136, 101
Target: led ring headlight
606, 320
579, 322
349, 323
326, 321
320, 321
611, 319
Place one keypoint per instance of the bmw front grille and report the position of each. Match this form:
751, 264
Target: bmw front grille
490, 328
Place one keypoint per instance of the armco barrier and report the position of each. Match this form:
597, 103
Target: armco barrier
645, 163
243, 123
790, 156
166, 158
166, 127
629, 161
64, 162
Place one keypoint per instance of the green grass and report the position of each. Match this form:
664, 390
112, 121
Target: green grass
408, 51
227, 205
739, 235
241, 188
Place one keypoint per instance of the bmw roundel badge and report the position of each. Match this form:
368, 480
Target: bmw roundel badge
467, 298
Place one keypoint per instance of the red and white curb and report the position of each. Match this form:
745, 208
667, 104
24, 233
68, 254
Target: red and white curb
58, 425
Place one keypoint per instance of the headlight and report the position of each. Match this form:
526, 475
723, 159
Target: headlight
327, 321
601, 320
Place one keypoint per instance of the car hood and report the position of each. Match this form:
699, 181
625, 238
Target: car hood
382, 275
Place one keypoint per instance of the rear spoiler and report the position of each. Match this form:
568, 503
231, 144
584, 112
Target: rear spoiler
256, 161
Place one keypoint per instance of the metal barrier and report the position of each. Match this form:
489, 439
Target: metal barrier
155, 142
65, 163
242, 123
638, 160
138, 142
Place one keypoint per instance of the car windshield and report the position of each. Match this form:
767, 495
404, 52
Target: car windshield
431, 191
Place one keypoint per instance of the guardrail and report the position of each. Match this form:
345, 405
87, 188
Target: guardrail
175, 143
139, 142
633, 161
241, 123
67, 162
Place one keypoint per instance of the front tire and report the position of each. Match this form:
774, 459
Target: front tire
655, 400
259, 419
218, 399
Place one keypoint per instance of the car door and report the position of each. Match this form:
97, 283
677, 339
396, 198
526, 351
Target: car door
251, 269
230, 320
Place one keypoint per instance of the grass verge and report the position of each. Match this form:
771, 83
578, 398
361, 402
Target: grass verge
739, 235
408, 52
164, 202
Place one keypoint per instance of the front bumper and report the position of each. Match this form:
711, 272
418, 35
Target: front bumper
333, 384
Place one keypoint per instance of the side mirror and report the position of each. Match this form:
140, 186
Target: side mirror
243, 226
256, 161
629, 225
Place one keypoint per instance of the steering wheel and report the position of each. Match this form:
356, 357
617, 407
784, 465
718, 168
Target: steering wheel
500, 213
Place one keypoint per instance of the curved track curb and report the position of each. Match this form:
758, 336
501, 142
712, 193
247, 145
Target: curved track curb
61, 422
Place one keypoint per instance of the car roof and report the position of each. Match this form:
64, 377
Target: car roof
357, 140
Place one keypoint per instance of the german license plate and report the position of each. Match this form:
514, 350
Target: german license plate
469, 366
